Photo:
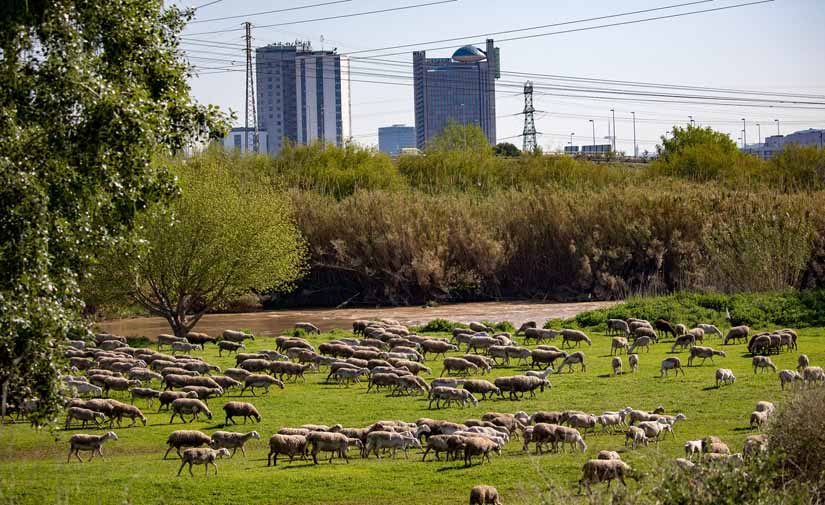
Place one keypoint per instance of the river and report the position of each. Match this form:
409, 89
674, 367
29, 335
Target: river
276, 321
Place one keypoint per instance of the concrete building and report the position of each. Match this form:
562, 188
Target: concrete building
235, 140
303, 95
461, 88
393, 139
775, 143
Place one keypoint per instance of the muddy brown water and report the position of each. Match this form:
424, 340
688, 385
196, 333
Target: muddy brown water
276, 321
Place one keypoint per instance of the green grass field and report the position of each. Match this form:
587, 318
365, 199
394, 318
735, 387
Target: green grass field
33, 467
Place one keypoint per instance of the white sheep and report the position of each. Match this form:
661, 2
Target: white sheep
91, 443
762, 363
633, 361
484, 495
693, 447
616, 364
232, 440
595, 471
201, 456
789, 377
290, 445
724, 376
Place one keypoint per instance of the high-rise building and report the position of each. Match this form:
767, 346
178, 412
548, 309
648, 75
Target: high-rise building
303, 95
235, 139
392, 139
461, 89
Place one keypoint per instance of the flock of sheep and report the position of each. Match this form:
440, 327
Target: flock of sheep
388, 356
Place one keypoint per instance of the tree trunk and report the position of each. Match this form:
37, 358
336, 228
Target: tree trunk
4, 399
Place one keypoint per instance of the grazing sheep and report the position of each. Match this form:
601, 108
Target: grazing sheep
671, 364
484, 364
546, 357
643, 341
240, 409
200, 339
616, 364
83, 415
479, 327
334, 443
709, 329
693, 447
184, 347
617, 326
609, 420
122, 410
687, 340
802, 362
289, 445
755, 444
458, 365
91, 443
572, 437
165, 339
736, 333
539, 334
665, 327
481, 387
654, 429
185, 438
520, 384
226, 382
813, 375
236, 336
617, 344
681, 329
201, 456
484, 495
451, 395
789, 377
608, 455
192, 406
144, 375
525, 326
229, 346
759, 419
479, 446
260, 381
636, 435
436, 347
118, 384
572, 359
704, 353
595, 471
180, 381
633, 361
714, 447
762, 362
232, 440
377, 440
583, 422
308, 327
574, 336
724, 376
167, 397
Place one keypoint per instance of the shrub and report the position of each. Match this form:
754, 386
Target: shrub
247, 302
500, 326
439, 326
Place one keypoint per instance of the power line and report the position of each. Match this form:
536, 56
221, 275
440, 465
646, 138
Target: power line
213, 2
378, 11
269, 12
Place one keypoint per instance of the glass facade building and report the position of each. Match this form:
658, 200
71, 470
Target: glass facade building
303, 95
461, 88
392, 139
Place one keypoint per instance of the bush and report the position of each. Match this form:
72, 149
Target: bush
500, 326
439, 326
247, 302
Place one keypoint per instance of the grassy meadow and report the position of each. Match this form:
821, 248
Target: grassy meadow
33, 467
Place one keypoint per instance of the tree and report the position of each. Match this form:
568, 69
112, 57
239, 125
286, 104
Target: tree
89, 92
229, 232
699, 154
506, 149
458, 137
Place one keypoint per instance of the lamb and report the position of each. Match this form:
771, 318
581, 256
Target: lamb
390, 440
229, 346
789, 377
683, 341
451, 395
709, 329
633, 361
525, 326
236, 336
192, 406
572, 359
616, 364
574, 336
484, 495
328, 442
232, 440
693, 447
762, 362
724, 376
185, 438
240, 409
636, 435
91, 443
479, 446
481, 387
289, 445
184, 347
608, 455
201, 456
308, 327
83, 415
520, 384
617, 344
617, 325
759, 419
736, 333
704, 353
260, 381
644, 341
571, 436
812, 375
167, 397
671, 364
459, 365
802, 362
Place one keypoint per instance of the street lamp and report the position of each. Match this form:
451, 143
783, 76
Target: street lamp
571, 141
635, 150
758, 133
777, 126
691, 120
594, 134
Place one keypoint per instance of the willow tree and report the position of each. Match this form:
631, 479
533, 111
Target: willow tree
227, 233
90, 91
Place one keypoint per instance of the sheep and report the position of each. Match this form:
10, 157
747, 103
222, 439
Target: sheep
484, 343
328, 442
411, 384
185, 438
449, 382
520, 384
654, 429
812, 375
609, 420
683, 341
643, 341
459, 365
541, 434
572, 359
192, 406
724, 376
238, 409
481, 387
204, 393
571, 436
180, 381
349, 374
636, 435
451, 395
714, 448
118, 384
540, 375
201, 367
617, 325
437, 347
698, 335
83, 415
260, 381
229, 346
238, 374
232, 440
704, 353
576, 336
307, 327
144, 375
616, 364
390, 440
608, 455
200, 339
226, 382
122, 410
762, 362
709, 329
539, 334
546, 357
479, 446
789, 377
85, 388
802, 362
479, 327
184, 347
707, 442
617, 344
671, 364
633, 361
412, 366
755, 444
665, 327
483, 364
645, 331
201, 456
91, 443
167, 397
289, 445
693, 447
582, 421
377, 380
484, 495
736, 333
525, 326
759, 419
165, 339
681, 329
236, 336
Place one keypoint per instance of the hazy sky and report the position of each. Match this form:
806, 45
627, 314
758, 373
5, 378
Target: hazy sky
773, 47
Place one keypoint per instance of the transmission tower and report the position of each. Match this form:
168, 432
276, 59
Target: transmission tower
250, 133
529, 133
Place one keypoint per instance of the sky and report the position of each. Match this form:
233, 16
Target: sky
774, 47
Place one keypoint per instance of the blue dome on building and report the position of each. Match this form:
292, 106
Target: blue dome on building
468, 54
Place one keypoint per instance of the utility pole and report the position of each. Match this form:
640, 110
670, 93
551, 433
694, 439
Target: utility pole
744, 133
635, 149
758, 133
529, 132
613, 111
594, 135
777, 126
571, 141
250, 96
